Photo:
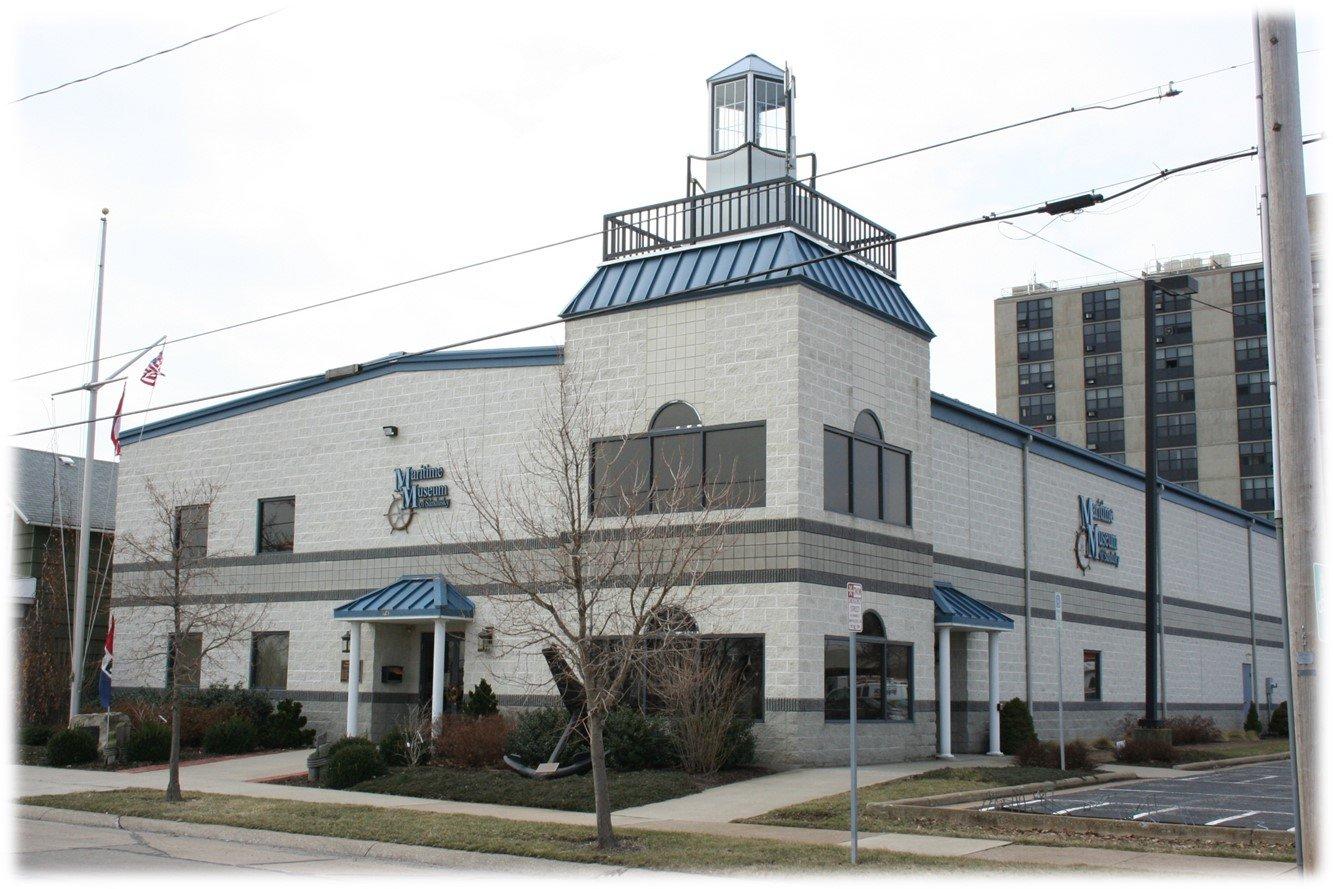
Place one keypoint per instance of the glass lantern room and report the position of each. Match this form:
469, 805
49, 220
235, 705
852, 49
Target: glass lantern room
749, 124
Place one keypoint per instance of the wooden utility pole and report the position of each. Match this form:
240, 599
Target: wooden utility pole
1295, 401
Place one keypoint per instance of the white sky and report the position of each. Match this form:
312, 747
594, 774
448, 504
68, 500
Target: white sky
330, 149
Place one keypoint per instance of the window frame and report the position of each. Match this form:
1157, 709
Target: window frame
1097, 672
1030, 383
259, 524
715, 129
1101, 337
884, 643
1045, 341
1035, 314
1027, 402
1101, 305
756, 125
1249, 285
882, 509
185, 550
171, 661
255, 638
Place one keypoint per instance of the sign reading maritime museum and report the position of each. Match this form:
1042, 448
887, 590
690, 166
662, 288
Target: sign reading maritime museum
1093, 543
407, 485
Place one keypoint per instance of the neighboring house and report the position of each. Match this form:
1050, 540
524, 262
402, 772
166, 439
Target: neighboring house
45, 500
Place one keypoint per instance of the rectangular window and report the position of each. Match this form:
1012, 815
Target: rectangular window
726, 658
621, 476
680, 470
1175, 361
770, 114
1254, 423
1176, 429
735, 466
1249, 319
1256, 458
1103, 336
1092, 675
1178, 464
1036, 345
1105, 403
1101, 305
1252, 388
1035, 409
1247, 286
1105, 436
1035, 314
1256, 493
1251, 353
1173, 302
728, 115
866, 478
1174, 395
191, 660
1036, 377
277, 525
1173, 327
191, 532
1102, 370
883, 679
837, 472
268, 661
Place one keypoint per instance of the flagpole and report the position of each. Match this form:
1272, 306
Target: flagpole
76, 646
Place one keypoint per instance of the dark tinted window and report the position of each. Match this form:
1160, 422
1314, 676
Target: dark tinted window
1036, 377
734, 466
883, 679
1256, 458
1101, 305
837, 472
621, 473
1175, 358
866, 478
277, 525
1036, 345
191, 656
867, 424
679, 470
1034, 313
675, 415
1092, 675
1247, 286
268, 660
1254, 423
192, 532
1102, 370
1035, 409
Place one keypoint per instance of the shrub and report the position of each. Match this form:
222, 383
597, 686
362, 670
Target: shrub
1193, 730
150, 742
393, 748
482, 701
1252, 723
236, 735
343, 743
634, 741
70, 747
471, 742
35, 735
1103, 743
286, 727
1146, 751
1277, 723
353, 763
1046, 755
536, 732
1125, 726
740, 743
1016, 729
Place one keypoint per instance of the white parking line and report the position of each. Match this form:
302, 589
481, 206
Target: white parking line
1154, 812
1080, 808
1231, 818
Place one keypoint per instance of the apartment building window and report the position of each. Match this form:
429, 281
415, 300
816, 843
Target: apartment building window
1256, 458
1105, 436
1036, 345
1101, 305
1256, 493
883, 675
1178, 464
1249, 319
1036, 409
191, 658
1045, 430
1172, 302
268, 660
1251, 353
191, 532
864, 476
1035, 314
1176, 429
1117, 456
1173, 327
1253, 423
1036, 376
277, 525
1247, 286
1092, 675
1102, 370
1252, 388
1174, 395
1175, 361
1103, 336
1104, 403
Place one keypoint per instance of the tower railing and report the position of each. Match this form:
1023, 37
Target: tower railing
777, 203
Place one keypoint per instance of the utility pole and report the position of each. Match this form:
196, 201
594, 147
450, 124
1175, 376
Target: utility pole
76, 639
1298, 485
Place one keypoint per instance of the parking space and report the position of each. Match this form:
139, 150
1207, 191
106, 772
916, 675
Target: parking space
1254, 796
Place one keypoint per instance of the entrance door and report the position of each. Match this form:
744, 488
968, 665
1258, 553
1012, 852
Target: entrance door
453, 669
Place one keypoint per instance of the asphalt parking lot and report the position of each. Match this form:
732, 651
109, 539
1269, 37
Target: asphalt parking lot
1255, 796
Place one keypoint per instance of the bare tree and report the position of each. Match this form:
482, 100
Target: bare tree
181, 599
586, 578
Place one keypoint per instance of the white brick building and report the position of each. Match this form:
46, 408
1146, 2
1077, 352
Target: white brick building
806, 354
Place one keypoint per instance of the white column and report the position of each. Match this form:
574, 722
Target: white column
943, 697
993, 700
437, 677
353, 678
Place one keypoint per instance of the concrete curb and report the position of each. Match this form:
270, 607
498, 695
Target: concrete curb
972, 796
1238, 761
431, 855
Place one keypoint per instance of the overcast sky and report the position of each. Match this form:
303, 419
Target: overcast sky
330, 149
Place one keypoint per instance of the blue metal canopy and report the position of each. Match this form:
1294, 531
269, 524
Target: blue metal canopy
410, 596
957, 609
682, 274
749, 63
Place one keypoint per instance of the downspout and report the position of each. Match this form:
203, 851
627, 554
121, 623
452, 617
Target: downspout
1027, 584
1254, 643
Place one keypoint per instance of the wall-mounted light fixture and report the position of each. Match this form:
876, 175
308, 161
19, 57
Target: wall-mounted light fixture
347, 642
390, 431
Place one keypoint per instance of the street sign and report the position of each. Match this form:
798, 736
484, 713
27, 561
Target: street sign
854, 615
1059, 606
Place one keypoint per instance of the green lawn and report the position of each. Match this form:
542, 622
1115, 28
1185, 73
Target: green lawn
700, 853
1231, 749
574, 794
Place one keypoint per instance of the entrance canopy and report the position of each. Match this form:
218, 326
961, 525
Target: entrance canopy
956, 609
412, 597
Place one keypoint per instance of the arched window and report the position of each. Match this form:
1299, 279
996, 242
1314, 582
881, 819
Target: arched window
867, 424
675, 415
872, 626
669, 619
883, 675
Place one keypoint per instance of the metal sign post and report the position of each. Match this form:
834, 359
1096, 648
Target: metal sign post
853, 628
1060, 673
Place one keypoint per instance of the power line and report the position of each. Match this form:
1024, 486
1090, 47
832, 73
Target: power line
1051, 207
154, 55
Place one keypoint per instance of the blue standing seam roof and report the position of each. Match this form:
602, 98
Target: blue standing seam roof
746, 64
661, 276
956, 609
412, 595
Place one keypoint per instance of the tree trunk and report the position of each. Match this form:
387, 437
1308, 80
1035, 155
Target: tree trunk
600, 792
174, 769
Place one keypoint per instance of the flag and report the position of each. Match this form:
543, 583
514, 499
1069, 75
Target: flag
152, 371
104, 674
115, 424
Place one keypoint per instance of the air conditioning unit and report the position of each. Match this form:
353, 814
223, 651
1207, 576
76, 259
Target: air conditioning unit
1092, 414
1159, 340
1090, 381
1088, 348
1092, 446
1087, 316
1023, 325
1050, 385
1050, 418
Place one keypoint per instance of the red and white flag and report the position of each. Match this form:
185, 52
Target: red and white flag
152, 371
115, 423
